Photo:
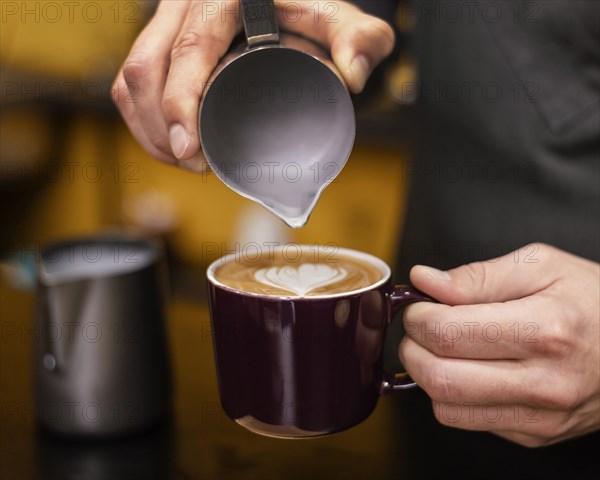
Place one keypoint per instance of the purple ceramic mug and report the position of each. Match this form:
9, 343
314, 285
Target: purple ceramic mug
297, 367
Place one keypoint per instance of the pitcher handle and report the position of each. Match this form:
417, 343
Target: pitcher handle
259, 22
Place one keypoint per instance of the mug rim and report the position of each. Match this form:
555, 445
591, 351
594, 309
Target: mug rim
384, 268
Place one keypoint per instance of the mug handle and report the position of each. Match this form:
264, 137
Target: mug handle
401, 296
259, 21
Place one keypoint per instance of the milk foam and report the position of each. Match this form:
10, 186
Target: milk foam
312, 273
300, 279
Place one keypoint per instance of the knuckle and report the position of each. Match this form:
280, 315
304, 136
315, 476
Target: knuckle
446, 347
192, 42
382, 29
161, 142
530, 441
438, 384
541, 252
565, 401
476, 275
372, 29
554, 339
544, 247
137, 67
450, 336
546, 432
522, 439
169, 102
116, 92
558, 399
185, 43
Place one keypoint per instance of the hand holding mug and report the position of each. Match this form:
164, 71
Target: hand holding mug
513, 346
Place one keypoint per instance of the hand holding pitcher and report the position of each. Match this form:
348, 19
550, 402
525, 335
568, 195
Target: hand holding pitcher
173, 58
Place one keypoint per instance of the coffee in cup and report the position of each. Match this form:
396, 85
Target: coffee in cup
302, 273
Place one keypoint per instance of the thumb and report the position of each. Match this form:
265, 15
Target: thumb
358, 42
359, 47
515, 275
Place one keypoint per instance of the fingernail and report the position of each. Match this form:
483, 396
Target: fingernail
435, 273
360, 69
179, 140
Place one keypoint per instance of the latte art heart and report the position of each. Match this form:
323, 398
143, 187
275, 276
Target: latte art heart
300, 279
313, 273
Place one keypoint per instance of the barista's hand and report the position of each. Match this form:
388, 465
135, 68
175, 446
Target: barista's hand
158, 90
514, 346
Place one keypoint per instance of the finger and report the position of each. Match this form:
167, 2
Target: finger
205, 37
128, 112
358, 42
534, 440
515, 275
524, 424
146, 67
521, 439
531, 441
483, 381
509, 330
196, 164
498, 417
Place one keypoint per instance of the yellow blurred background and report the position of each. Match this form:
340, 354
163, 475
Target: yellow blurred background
89, 172
69, 167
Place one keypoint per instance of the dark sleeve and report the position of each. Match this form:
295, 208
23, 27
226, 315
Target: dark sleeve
384, 9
